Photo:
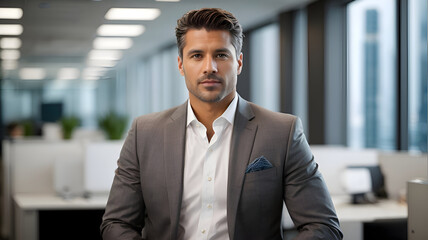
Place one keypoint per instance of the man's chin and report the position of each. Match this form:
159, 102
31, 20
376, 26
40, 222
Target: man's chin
210, 97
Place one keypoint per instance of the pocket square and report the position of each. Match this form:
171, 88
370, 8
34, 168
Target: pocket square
258, 164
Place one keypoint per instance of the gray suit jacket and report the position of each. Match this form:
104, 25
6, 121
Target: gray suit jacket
147, 189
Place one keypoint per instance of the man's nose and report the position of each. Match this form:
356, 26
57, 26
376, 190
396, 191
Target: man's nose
210, 65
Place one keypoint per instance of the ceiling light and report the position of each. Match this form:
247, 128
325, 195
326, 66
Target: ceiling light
10, 43
10, 29
10, 13
105, 55
68, 73
91, 78
10, 54
32, 73
101, 63
132, 13
120, 30
9, 65
93, 72
112, 43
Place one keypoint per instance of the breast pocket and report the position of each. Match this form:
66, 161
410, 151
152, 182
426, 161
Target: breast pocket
261, 176
263, 186
261, 195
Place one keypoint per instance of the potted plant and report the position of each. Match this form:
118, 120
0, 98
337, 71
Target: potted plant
113, 125
68, 125
28, 126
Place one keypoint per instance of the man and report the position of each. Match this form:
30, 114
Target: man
216, 167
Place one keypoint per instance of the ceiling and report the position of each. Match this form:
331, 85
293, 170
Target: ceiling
60, 33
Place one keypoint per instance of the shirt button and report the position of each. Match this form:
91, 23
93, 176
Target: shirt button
203, 231
209, 179
209, 206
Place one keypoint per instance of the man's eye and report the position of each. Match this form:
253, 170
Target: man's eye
196, 56
222, 55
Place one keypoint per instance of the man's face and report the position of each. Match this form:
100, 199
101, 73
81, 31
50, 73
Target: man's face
210, 65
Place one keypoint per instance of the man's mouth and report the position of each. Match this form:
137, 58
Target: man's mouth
210, 80
210, 83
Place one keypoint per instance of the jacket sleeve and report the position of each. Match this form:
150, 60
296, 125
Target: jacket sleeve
125, 210
305, 194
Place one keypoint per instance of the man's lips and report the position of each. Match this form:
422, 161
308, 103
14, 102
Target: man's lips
210, 81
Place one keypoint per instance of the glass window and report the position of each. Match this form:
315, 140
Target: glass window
417, 68
264, 64
153, 84
372, 77
175, 90
300, 68
166, 86
17, 104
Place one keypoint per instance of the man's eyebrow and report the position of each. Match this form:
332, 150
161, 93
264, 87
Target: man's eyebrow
193, 51
198, 51
223, 50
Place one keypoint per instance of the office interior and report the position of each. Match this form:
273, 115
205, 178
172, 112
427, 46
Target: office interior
354, 72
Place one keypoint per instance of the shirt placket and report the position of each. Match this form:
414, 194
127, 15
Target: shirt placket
207, 186
207, 197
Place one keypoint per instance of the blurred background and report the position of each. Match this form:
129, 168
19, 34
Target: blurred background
75, 73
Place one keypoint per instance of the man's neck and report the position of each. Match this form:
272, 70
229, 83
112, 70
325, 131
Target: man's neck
207, 112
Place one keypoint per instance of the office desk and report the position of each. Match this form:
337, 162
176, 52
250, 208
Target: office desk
28, 207
352, 216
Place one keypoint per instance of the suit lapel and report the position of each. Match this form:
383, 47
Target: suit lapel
174, 145
244, 132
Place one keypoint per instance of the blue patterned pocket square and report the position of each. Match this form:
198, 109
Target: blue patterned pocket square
258, 164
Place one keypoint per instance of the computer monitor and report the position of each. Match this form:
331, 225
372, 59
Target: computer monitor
51, 112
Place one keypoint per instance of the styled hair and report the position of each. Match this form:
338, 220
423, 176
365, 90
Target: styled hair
209, 19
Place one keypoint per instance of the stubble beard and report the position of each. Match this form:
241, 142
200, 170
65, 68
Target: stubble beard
207, 97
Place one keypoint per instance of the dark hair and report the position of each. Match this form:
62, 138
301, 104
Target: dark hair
210, 19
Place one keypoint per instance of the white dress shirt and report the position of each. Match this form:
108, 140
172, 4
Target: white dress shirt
204, 204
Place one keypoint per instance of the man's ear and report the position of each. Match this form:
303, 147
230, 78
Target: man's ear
240, 62
180, 65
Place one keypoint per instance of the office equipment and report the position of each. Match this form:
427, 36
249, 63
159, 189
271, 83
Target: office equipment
68, 176
357, 180
417, 199
364, 183
333, 160
51, 112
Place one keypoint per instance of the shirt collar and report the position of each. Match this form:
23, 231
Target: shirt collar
229, 114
